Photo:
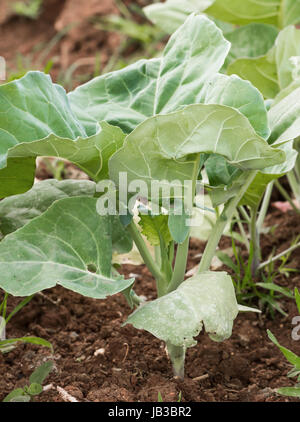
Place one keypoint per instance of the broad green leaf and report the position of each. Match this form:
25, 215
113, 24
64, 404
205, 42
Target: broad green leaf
281, 13
171, 14
252, 40
40, 374
290, 356
275, 70
21, 399
178, 317
290, 12
194, 53
257, 188
48, 251
235, 92
284, 118
260, 71
35, 389
155, 227
246, 11
36, 119
164, 147
17, 393
289, 391
18, 210
219, 172
287, 47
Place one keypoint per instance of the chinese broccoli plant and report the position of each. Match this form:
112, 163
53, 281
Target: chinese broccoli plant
153, 124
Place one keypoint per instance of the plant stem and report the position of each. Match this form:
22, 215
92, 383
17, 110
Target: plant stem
242, 231
244, 213
286, 196
4, 305
255, 241
275, 258
177, 357
146, 255
264, 207
293, 179
180, 265
221, 222
183, 248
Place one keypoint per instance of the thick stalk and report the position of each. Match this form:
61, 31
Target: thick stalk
177, 357
264, 207
220, 225
177, 353
294, 183
145, 254
254, 241
183, 249
180, 265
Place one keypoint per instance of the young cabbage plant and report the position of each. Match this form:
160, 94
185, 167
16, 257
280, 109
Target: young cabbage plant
154, 123
36, 379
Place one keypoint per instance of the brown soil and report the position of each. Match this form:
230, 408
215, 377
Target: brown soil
132, 365
96, 359
63, 33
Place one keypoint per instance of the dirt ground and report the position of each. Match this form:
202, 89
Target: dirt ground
96, 359
64, 34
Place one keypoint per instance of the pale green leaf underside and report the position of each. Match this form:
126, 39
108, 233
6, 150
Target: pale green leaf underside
255, 192
171, 14
284, 117
257, 188
165, 147
36, 120
48, 251
178, 317
18, 210
287, 46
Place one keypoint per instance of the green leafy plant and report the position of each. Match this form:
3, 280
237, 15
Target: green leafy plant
172, 13
7, 345
159, 120
292, 358
36, 380
31, 8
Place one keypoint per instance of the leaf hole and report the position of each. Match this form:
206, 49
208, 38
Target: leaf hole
92, 268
